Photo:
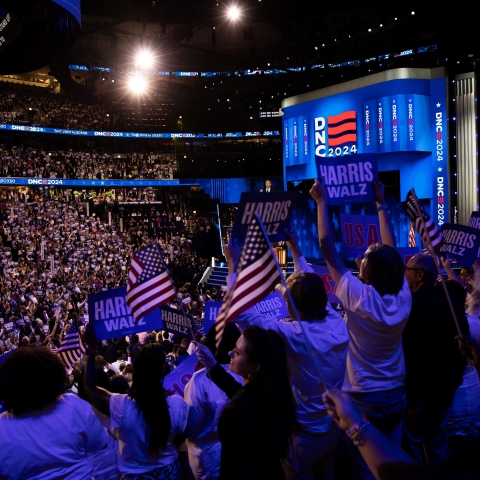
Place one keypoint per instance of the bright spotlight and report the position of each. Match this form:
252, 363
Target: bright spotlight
137, 84
233, 13
144, 59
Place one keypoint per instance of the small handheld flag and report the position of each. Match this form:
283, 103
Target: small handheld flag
149, 285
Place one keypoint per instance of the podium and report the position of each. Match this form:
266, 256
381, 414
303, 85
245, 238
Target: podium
281, 254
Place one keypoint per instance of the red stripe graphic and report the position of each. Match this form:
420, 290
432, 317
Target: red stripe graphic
350, 115
342, 128
334, 142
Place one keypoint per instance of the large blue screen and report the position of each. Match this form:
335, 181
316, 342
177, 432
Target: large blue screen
403, 121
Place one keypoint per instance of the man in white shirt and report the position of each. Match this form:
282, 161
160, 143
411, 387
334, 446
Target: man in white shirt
116, 365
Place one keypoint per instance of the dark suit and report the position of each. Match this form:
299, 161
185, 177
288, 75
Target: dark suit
434, 367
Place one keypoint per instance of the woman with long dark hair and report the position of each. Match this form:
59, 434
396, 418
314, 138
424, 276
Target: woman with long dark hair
255, 426
146, 421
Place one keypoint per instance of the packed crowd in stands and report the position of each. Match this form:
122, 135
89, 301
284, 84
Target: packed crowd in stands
21, 161
386, 394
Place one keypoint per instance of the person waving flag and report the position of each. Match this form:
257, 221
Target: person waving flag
149, 284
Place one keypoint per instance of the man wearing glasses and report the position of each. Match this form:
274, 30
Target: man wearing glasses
434, 367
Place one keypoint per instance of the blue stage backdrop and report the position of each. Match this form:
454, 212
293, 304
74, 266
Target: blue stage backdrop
400, 115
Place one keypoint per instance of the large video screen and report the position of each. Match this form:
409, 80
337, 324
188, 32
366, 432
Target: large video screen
403, 121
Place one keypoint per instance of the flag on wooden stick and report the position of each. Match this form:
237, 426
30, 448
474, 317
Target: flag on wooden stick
257, 274
426, 227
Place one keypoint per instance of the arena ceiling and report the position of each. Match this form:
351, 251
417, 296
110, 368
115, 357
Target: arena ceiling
197, 35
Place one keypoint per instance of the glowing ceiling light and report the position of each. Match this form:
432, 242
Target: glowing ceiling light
137, 84
144, 59
233, 13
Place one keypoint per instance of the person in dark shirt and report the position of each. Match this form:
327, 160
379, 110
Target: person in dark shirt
134, 348
256, 425
434, 365
111, 349
166, 343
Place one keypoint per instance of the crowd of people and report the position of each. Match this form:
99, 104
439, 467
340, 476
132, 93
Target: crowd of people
387, 393
21, 161
53, 255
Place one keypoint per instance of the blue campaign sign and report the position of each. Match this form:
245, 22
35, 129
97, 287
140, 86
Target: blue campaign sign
10, 326
173, 321
358, 233
112, 317
407, 253
212, 310
275, 209
273, 305
401, 119
328, 281
175, 382
348, 179
460, 243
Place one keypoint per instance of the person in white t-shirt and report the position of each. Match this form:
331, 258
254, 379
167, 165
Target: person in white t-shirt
314, 440
44, 434
147, 421
377, 307
206, 402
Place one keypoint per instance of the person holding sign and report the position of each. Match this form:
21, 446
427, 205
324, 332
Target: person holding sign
147, 421
207, 402
377, 309
316, 435
256, 424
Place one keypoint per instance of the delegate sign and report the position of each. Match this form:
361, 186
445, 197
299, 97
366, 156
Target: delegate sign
272, 305
112, 317
348, 179
275, 210
173, 321
460, 243
358, 233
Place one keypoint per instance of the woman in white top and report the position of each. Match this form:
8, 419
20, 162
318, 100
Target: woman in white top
145, 422
44, 433
377, 306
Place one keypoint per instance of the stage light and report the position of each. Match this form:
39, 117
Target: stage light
413, 13
137, 84
144, 59
233, 13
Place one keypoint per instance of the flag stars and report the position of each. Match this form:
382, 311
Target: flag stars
439, 105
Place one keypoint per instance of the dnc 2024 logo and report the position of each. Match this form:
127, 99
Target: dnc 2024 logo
336, 135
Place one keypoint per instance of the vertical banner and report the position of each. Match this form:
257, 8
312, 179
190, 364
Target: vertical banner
381, 126
399, 123
439, 148
52, 265
295, 141
42, 250
109, 218
121, 225
370, 137
348, 179
286, 153
303, 145
358, 233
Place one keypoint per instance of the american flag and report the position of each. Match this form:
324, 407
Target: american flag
412, 241
149, 285
428, 231
257, 274
72, 347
